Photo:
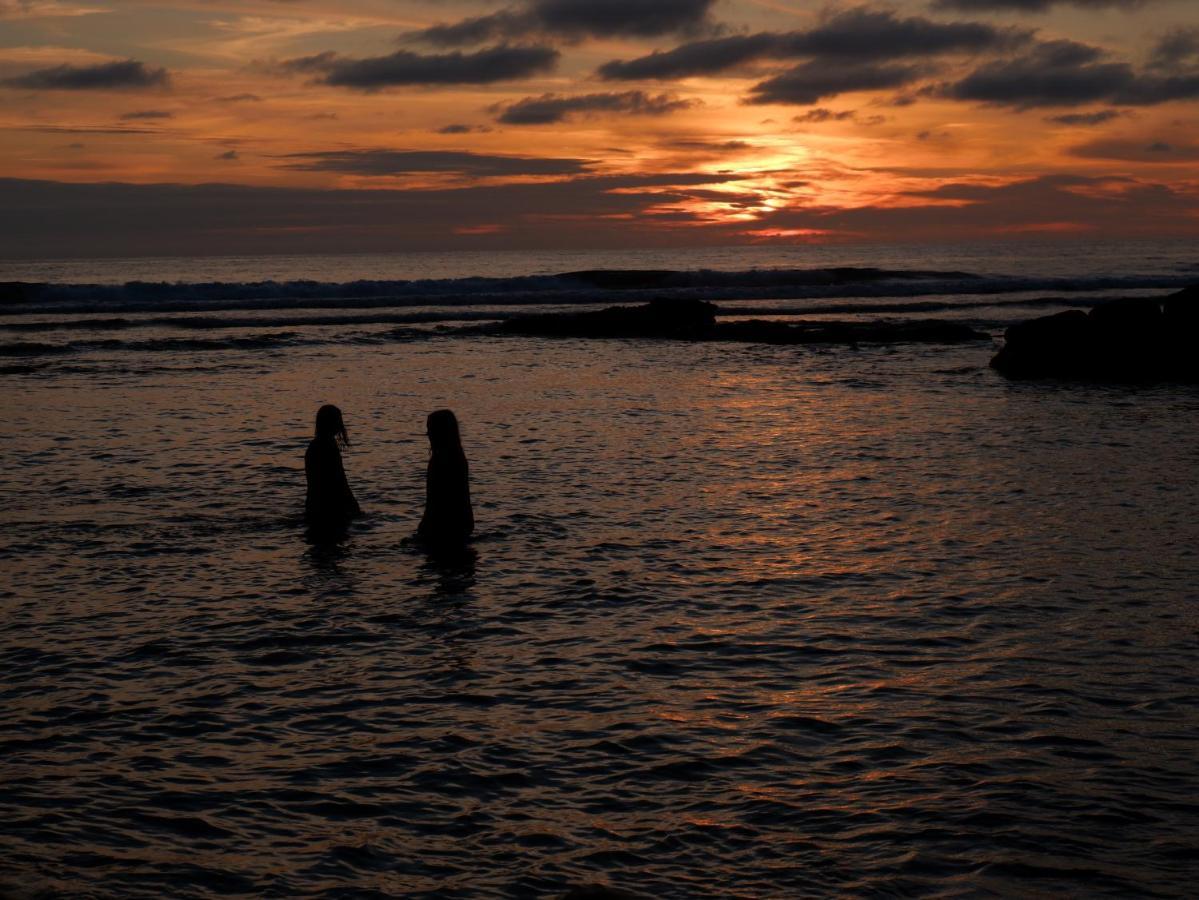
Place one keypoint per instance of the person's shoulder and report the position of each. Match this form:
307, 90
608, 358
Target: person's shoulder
318, 448
449, 462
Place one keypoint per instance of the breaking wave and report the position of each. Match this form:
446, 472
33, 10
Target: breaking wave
585, 287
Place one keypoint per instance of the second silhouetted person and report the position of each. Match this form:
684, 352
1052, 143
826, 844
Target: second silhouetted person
330, 503
449, 519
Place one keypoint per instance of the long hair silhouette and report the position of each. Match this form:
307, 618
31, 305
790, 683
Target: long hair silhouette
329, 503
330, 424
448, 520
444, 435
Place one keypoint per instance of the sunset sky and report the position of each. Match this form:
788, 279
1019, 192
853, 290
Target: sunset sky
214, 126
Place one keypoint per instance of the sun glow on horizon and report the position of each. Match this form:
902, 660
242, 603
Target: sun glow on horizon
754, 127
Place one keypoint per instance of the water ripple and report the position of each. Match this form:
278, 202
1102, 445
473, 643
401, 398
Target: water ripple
741, 623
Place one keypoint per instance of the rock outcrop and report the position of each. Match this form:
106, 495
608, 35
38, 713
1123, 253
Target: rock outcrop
680, 320
695, 320
1129, 340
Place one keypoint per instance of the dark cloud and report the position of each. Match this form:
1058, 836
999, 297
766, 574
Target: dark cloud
45, 217
1042, 188
149, 114
871, 34
612, 18
414, 162
699, 58
820, 114
1055, 73
811, 82
316, 63
1033, 5
228, 154
129, 74
1066, 73
1087, 119
575, 19
1141, 151
861, 34
463, 129
497, 26
502, 63
1111, 206
707, 146
1148, 90
585, 212
87, 129
549, 108
240, 98
1178, 49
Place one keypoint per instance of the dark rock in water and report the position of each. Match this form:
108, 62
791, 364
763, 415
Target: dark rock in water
1181, 310
1128, 339
1132, 339
642, 279
929, 332
1130, 315
1045, 347
1180, 315
683, 320
757, 331
20, 291
695, 320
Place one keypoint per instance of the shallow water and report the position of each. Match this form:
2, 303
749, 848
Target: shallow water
744, 622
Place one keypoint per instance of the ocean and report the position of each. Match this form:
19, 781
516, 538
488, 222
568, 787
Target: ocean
741, 621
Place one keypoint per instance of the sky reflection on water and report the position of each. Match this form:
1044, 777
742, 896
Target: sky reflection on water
743, 622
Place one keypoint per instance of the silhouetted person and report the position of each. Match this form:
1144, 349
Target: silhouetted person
448, 520
330, 503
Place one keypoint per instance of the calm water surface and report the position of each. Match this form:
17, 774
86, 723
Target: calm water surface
744, 622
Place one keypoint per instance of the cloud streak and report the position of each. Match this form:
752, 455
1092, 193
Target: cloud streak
1139, 151
551, 108
44, 9
1067, 73
820, 115
858, 35
812, 82
405, 68
1034, 6
426, 162
147, 114
1112, 206
1086, 119
574, 20
129, 74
